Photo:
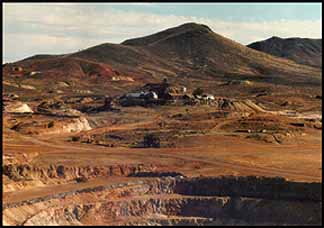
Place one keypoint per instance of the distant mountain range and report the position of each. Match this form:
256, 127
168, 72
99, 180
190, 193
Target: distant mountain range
300, 50
188, 51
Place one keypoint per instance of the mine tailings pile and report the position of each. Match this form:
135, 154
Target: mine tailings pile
177, 201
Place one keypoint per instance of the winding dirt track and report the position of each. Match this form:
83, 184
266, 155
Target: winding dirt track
18, 196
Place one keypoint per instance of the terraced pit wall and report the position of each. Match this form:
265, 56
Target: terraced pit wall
30, 172
177, 201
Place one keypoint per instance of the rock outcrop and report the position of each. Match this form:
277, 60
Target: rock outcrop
57, 108
17, 107
26, 172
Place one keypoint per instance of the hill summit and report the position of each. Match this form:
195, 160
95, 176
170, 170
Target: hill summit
192, 51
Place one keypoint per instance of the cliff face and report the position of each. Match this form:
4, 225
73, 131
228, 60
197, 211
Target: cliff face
175, 201
228, 211
19, 176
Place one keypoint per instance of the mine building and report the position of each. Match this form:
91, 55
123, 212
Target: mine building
143, 95
208, 97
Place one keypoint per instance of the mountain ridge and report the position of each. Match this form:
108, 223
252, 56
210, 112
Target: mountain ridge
190, 49
301, 50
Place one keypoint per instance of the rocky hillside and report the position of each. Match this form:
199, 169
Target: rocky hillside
300, 50
191, 51
196, 51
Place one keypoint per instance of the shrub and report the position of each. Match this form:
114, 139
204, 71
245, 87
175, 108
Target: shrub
151, 140
81, 179
50, 124
198, 92
75, 138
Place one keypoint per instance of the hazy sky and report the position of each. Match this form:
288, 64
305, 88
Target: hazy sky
56, 28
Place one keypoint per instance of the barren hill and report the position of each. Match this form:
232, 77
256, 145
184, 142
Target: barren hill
190, 51
300, 50
194, 50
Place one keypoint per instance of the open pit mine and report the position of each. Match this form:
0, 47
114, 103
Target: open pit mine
177, 200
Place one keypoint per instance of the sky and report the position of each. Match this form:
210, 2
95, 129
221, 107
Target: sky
59, 28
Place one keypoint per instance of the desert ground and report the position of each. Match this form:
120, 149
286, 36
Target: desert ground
41, 162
